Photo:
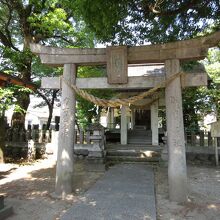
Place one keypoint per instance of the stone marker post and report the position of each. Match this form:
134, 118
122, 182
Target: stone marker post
132, 118
154, 123
124, 128
112, 119
177, 175
64, 169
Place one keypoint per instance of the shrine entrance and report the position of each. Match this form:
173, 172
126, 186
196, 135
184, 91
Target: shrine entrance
143, 118
167, 87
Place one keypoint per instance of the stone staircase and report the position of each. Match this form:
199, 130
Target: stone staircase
5, 211
140, 136
116, 153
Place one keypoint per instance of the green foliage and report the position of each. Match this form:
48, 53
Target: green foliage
91, 71
87, 111
137, 22
193, 103
49, 22
8, 98
212, 64
198, 102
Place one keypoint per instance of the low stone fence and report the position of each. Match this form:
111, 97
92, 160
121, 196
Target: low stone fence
34, 143
30, 144
21, 135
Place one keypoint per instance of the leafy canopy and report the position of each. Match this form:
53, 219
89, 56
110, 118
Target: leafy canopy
141, 21
48, 22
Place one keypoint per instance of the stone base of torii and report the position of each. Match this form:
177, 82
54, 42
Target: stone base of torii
117, 59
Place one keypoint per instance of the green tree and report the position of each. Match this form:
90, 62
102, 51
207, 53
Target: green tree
201, 101
35, 21
212, 64
137, 22
85, 110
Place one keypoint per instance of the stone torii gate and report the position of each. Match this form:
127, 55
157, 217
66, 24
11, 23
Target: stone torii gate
117, 59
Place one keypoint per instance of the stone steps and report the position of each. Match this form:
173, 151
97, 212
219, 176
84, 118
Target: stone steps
133, 147
139, 141
5, 211
132, 153
139, 136
122, 159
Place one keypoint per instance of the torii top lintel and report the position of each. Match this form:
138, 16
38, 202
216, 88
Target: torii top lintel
193, 49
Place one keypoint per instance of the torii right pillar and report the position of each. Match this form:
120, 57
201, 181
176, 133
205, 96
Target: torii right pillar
177, 174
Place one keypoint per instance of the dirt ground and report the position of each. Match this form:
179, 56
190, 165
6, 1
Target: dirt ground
28, 189
203, 195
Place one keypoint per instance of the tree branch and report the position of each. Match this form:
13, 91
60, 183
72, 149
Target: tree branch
5, 38
7, 30
6, 42
43, 97
64, 39
190, 4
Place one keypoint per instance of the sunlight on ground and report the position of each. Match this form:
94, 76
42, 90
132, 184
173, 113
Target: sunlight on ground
212, 206
147, 153
25, 171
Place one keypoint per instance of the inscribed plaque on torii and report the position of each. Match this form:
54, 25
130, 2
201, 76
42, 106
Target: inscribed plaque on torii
117, 65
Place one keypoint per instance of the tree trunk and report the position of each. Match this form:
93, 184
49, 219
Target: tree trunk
50, 107
2, 138
23, 99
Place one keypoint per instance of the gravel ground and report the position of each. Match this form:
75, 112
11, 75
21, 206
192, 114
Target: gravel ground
204, 195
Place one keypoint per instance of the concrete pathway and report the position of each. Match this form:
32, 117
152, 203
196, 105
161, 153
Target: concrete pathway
125, 192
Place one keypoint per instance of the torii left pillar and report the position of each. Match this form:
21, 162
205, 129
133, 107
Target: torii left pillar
177, 175
64, 167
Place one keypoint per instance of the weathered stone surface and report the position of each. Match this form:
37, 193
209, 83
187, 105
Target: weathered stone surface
124, 129
154, 123
64, 168
117, 65
215, 129
183, 50
177, 174
134, 82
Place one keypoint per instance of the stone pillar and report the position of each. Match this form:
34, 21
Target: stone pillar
177, 175
124, 129
209, 139
110, 118
132, 118
202, 138
154, 123
64, 168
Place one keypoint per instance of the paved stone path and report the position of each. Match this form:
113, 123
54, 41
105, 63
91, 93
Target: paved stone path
125, 192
